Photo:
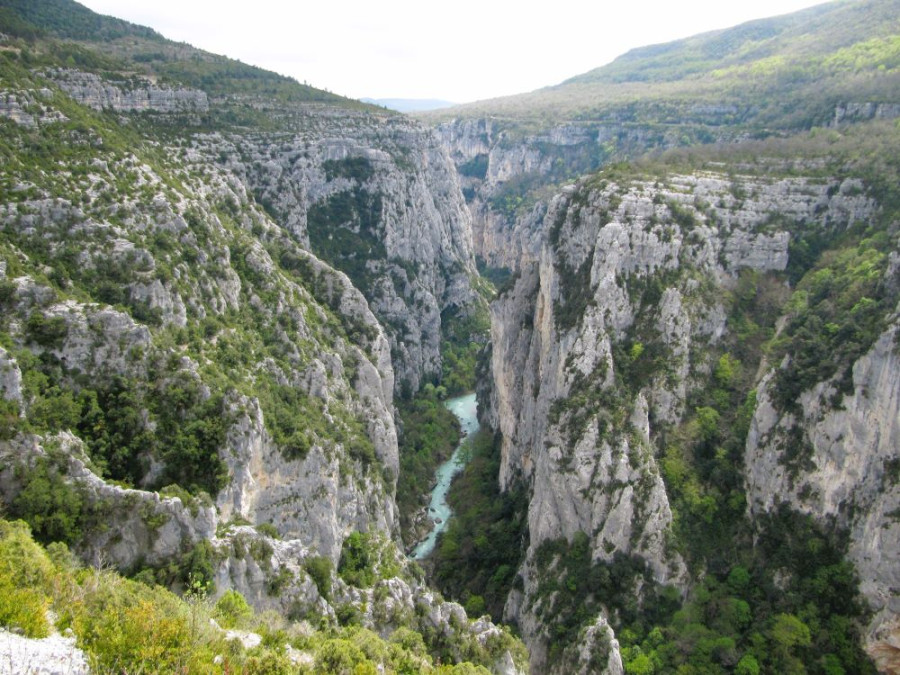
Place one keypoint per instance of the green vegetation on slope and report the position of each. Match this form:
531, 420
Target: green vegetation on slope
120, 49
788, 604
344, 231
428, 434
159, 409
127, 626
783, 72
69, 20
476, 557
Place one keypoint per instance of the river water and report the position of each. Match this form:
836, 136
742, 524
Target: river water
466, 410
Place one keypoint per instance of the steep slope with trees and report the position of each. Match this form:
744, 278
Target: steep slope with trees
207, 275
691, 365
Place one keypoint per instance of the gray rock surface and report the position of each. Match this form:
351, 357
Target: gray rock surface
851, 477
54, 655
29, 108
10, 378
555, 335
135, 95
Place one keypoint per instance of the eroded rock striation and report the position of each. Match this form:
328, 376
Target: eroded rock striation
377, 197
606, 337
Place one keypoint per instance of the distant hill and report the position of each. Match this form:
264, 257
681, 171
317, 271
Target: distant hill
70, 20
786, 71
130, 49
409, 104
834, 64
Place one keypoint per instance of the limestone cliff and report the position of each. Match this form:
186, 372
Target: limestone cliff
603, 341
377, 197
128, 95
847, 472
181, 367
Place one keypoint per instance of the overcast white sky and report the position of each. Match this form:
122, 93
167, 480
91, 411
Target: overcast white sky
461, 50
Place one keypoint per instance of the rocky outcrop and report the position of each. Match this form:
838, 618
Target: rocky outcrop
134, 95
27, 107
380, 183
384, 188
47, 656
851, 476
597, 651
128, 527
861, 111
579, 415
203, 307
324, 504
10, 378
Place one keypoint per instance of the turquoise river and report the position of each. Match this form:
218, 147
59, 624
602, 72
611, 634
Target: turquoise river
466, 409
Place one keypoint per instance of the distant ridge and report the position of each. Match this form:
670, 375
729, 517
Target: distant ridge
409, 104
785, 72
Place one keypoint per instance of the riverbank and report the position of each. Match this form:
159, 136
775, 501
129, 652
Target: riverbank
466, 410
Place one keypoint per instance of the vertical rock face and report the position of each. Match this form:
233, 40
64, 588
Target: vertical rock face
378, 198
505, 167
133, 95
10, 378
598, 344
312, 500
851, 475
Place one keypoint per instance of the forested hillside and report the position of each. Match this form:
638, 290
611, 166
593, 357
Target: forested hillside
214, 281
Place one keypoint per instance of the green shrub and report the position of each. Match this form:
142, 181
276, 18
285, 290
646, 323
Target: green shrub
475, 606
476, 167
343, 231
25, 574
341, 656
269, 530
462, 337
263, 661
319, 569
129, 627
356, 566
232, 610
10, 422
52, 506
24, 609
352, 168
197, 567
46, 332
